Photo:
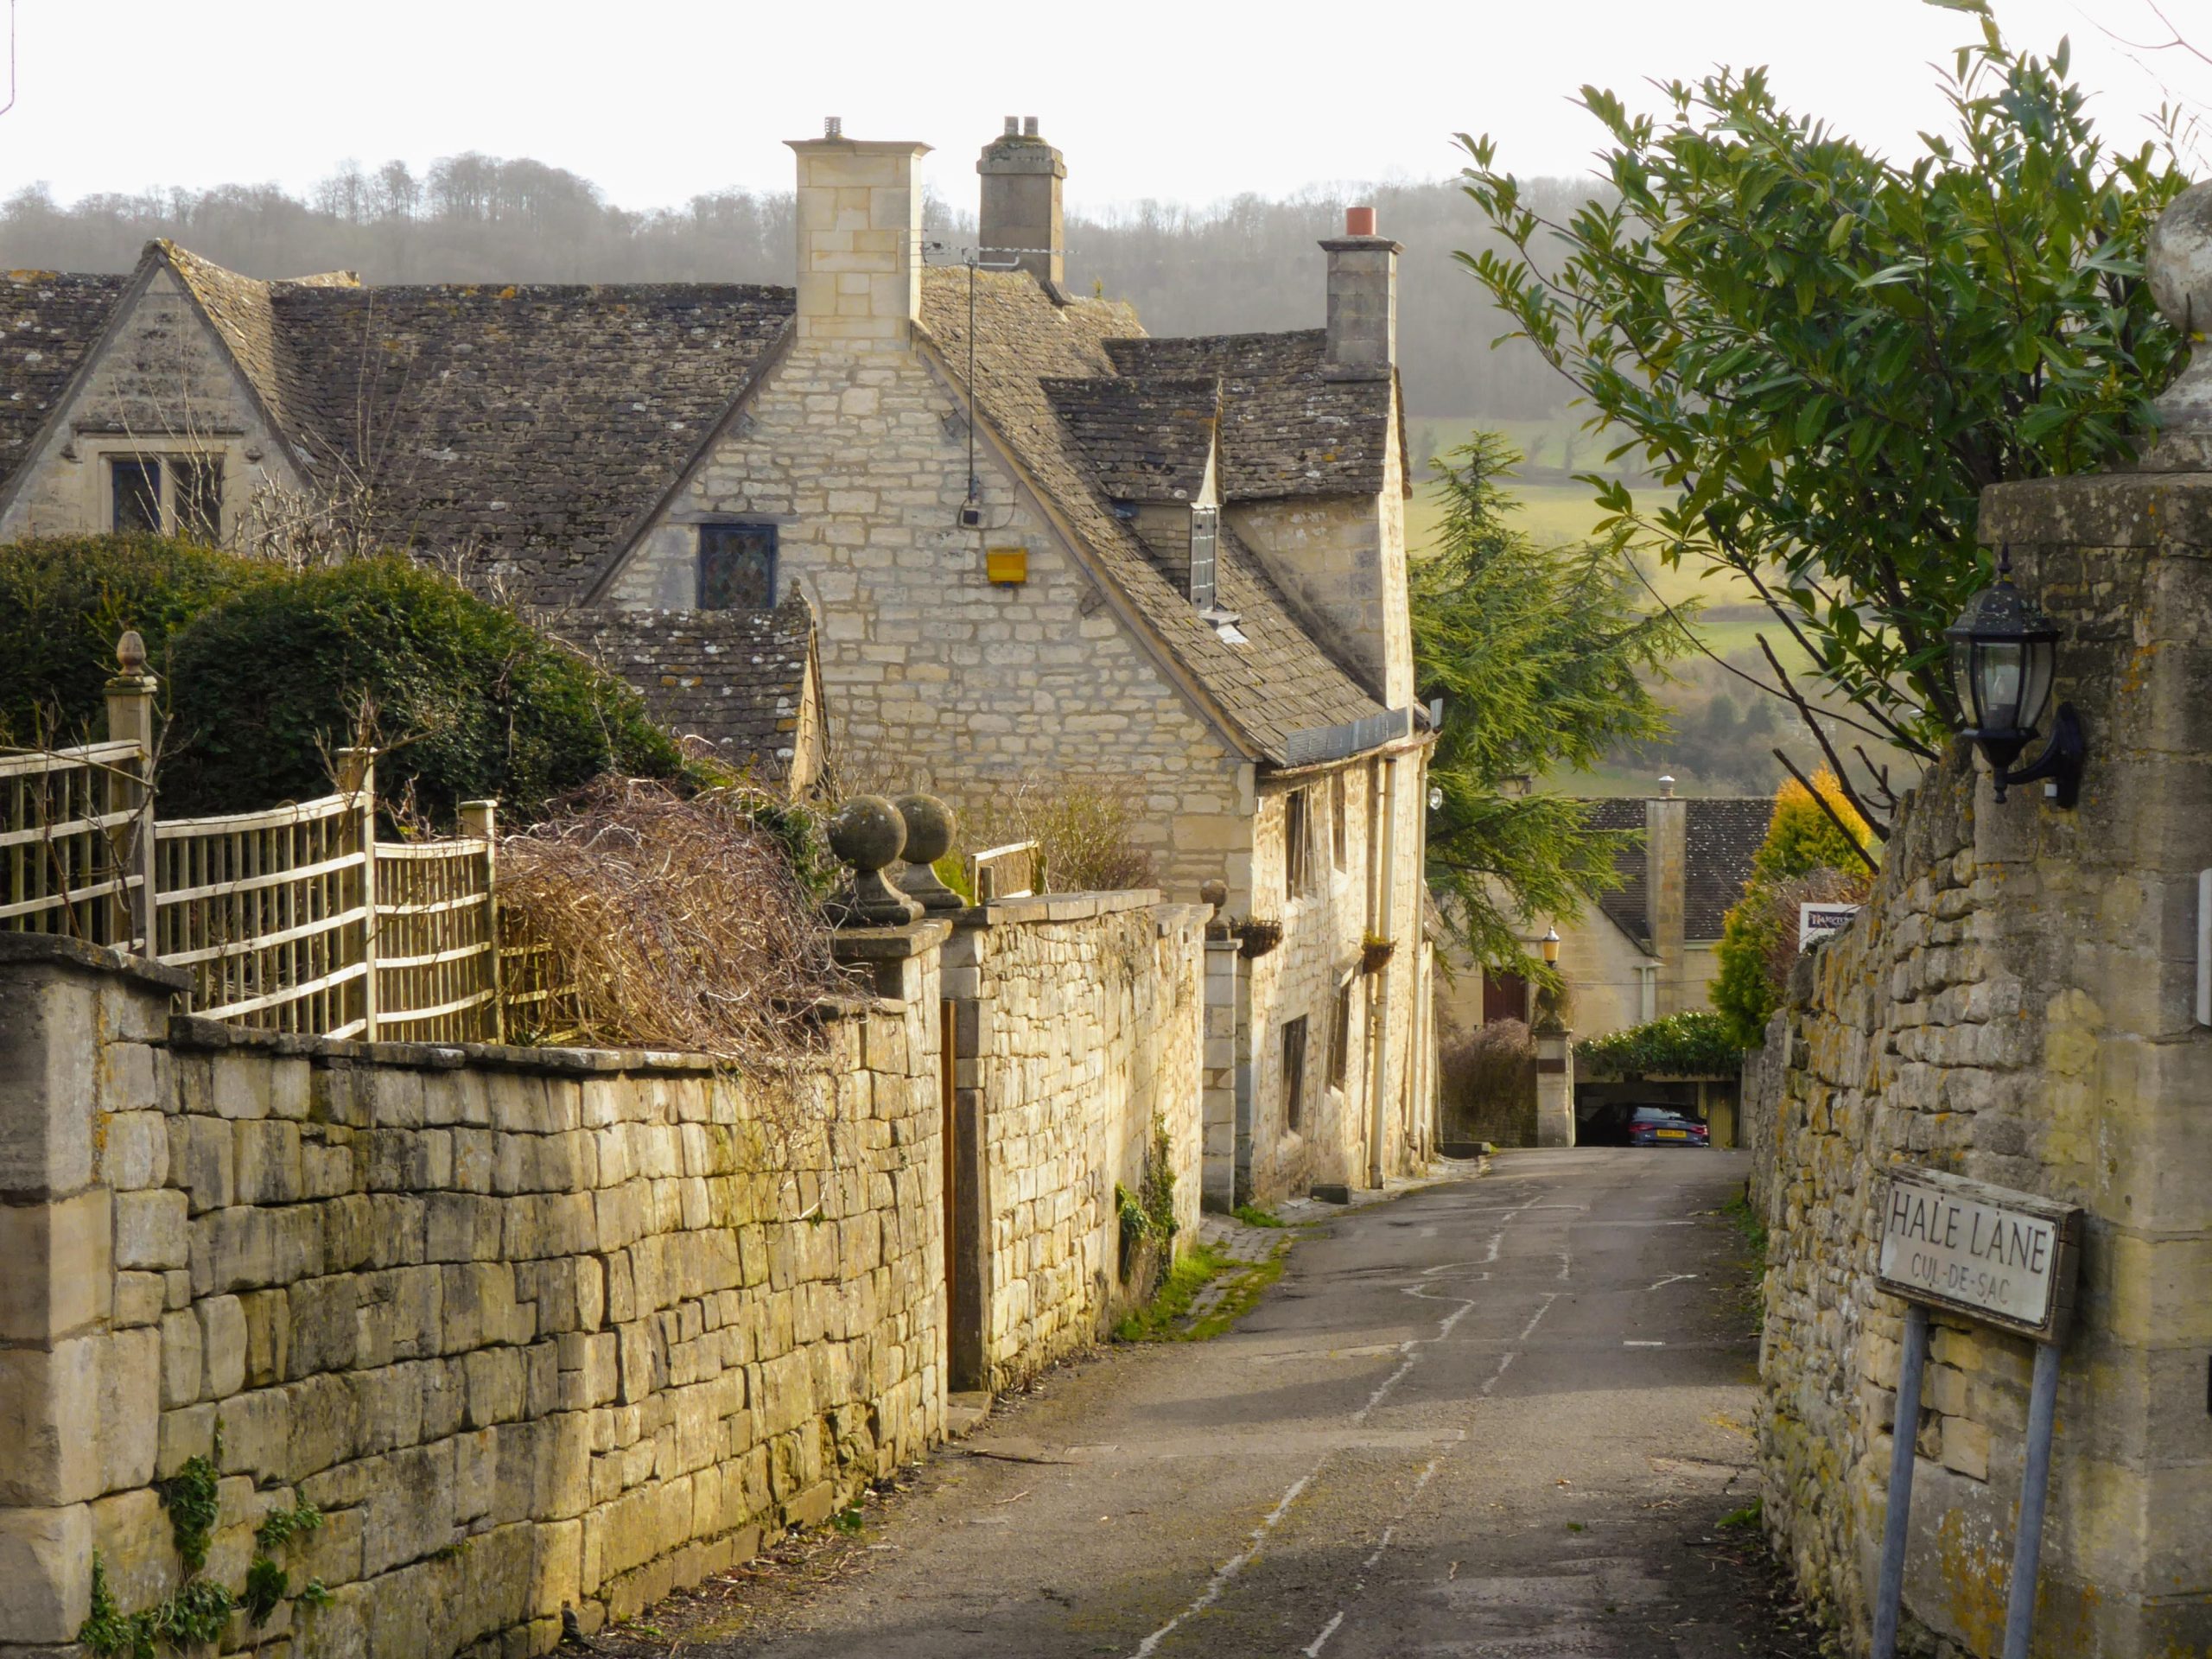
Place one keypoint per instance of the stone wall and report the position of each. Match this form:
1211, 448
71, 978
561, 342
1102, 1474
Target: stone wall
1324, 923
531, 1328
1078, 1021
2014, 1004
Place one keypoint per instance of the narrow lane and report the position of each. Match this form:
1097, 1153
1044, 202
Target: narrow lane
1496, 1417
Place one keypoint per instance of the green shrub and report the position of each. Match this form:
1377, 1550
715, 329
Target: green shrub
266, 673
468, 700
66, 600
1693, 1044
1805, 857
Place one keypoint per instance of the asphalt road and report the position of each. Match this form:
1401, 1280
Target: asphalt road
1498, 1417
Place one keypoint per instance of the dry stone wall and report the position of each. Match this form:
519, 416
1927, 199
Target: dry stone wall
1079, 1023
530, 1328
2014, 1004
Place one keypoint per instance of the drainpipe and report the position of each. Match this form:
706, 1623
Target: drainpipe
1378, 1024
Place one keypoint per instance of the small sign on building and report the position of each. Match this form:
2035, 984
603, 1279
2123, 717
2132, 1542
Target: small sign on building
1816, 922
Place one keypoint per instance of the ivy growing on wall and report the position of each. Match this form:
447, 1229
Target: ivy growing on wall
1696, 1044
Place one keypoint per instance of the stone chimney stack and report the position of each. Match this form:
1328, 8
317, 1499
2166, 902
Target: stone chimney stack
1363, 300
860, 237
1666, 892
1020, 217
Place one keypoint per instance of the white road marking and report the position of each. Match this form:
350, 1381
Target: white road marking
1671, 1278
1228, 1569
1410, 1349
1312, 1650
1626, 1344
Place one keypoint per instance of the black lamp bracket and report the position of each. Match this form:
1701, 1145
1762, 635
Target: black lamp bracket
2060, 762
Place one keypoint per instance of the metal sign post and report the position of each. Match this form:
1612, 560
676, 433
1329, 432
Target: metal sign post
2003, 1258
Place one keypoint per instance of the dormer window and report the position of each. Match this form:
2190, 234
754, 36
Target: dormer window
1206, 542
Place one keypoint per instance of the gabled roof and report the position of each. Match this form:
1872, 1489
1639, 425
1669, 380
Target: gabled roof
1288, 427
1723, 836
49, 320
735, 679
1142, 440
1282, 681
532, 426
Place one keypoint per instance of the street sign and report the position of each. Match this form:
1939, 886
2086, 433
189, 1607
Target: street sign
1816, 922
2006, 1259
1995, 1255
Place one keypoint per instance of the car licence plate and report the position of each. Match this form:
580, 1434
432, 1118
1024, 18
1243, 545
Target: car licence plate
1673, 1134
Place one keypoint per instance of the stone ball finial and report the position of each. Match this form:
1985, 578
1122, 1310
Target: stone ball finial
2178, 263
131, 652
867, 832
1214, 892
930, 828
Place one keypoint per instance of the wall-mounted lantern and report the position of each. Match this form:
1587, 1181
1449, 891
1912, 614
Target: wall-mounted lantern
2004, 651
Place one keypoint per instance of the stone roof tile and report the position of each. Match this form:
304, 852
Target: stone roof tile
48, 322
1723, 834
1143, 440
533, 425
736, 679
1288, 427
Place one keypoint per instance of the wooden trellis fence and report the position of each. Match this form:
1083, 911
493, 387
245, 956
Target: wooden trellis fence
294, 920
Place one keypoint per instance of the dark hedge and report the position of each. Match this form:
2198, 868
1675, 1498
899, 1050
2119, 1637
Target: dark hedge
265, 670
66, 600
469, 701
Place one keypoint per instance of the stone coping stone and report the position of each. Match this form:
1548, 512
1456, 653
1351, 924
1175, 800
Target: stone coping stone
888, 943
1059, 907
189, 1033
2170, 510
54, 951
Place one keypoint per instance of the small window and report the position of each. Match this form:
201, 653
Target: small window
137, 494
737, 567
1294, 1073
1339, 827
198, 483
1293, 843
1340, 1037
1206, 540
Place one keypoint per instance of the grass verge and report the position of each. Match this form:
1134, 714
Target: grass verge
1167, 1316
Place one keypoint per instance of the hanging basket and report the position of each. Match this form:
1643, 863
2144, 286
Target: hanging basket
1258, 937
1375, 955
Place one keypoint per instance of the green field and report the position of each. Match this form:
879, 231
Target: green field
1732, 618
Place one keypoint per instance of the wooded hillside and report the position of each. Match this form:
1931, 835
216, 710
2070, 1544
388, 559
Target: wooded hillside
1246, 264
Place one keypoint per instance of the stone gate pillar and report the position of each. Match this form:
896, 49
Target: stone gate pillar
1555, 1083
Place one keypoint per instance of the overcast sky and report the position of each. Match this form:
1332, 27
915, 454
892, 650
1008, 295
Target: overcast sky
1190, 100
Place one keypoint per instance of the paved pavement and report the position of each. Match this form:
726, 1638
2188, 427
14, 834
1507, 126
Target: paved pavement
1493, 1417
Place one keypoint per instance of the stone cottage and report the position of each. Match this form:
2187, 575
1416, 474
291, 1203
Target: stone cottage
516, 435
1041, 549
1646, 949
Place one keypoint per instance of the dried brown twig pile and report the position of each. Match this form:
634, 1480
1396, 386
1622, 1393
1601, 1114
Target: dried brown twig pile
672, 921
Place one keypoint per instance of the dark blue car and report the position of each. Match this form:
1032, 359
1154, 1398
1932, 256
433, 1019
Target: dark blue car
1655, 1125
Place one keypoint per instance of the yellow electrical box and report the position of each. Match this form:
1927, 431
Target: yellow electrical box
1007, 565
